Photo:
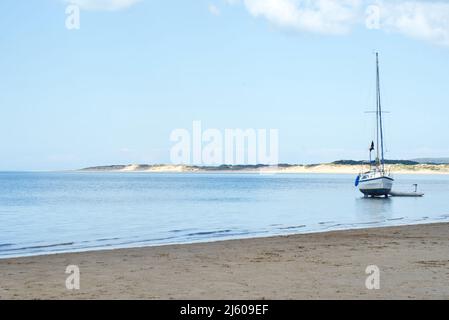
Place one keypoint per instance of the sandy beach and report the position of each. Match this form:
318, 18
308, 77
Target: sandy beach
413, 263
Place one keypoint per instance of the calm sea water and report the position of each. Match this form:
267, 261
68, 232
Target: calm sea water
44, 213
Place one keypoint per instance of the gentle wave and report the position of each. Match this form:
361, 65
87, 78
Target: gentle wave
185, 236
39, 247
206, 233
293, 227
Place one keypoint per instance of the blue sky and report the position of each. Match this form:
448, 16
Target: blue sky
113, 91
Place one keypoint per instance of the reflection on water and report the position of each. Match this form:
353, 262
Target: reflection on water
58, 212
377, 209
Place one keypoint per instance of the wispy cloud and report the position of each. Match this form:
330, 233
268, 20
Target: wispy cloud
213, 9
424, 20
420, 19
322, 16
103, 5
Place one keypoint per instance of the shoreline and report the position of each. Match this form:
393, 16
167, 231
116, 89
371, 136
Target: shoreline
211, 241
413, 259
430, 173
420, 169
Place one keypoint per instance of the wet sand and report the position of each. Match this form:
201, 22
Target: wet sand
413, 263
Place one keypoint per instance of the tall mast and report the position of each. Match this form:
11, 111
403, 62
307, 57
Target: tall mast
377, 110
379, 117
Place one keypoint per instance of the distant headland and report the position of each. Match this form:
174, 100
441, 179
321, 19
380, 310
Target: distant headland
417, 166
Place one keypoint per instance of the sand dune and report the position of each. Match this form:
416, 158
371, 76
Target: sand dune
320, 168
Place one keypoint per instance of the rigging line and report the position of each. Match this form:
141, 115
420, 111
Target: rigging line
385, 126
380, 113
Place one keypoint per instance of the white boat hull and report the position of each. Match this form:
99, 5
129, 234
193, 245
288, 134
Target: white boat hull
379, 186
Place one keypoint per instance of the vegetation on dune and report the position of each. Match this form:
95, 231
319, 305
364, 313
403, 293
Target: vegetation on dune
354, 162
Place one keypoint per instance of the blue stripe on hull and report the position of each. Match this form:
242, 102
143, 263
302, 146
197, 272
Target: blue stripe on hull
376, 192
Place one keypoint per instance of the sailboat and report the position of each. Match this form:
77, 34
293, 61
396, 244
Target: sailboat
377, 181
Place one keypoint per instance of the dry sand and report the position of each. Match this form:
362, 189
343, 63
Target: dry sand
413, 262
